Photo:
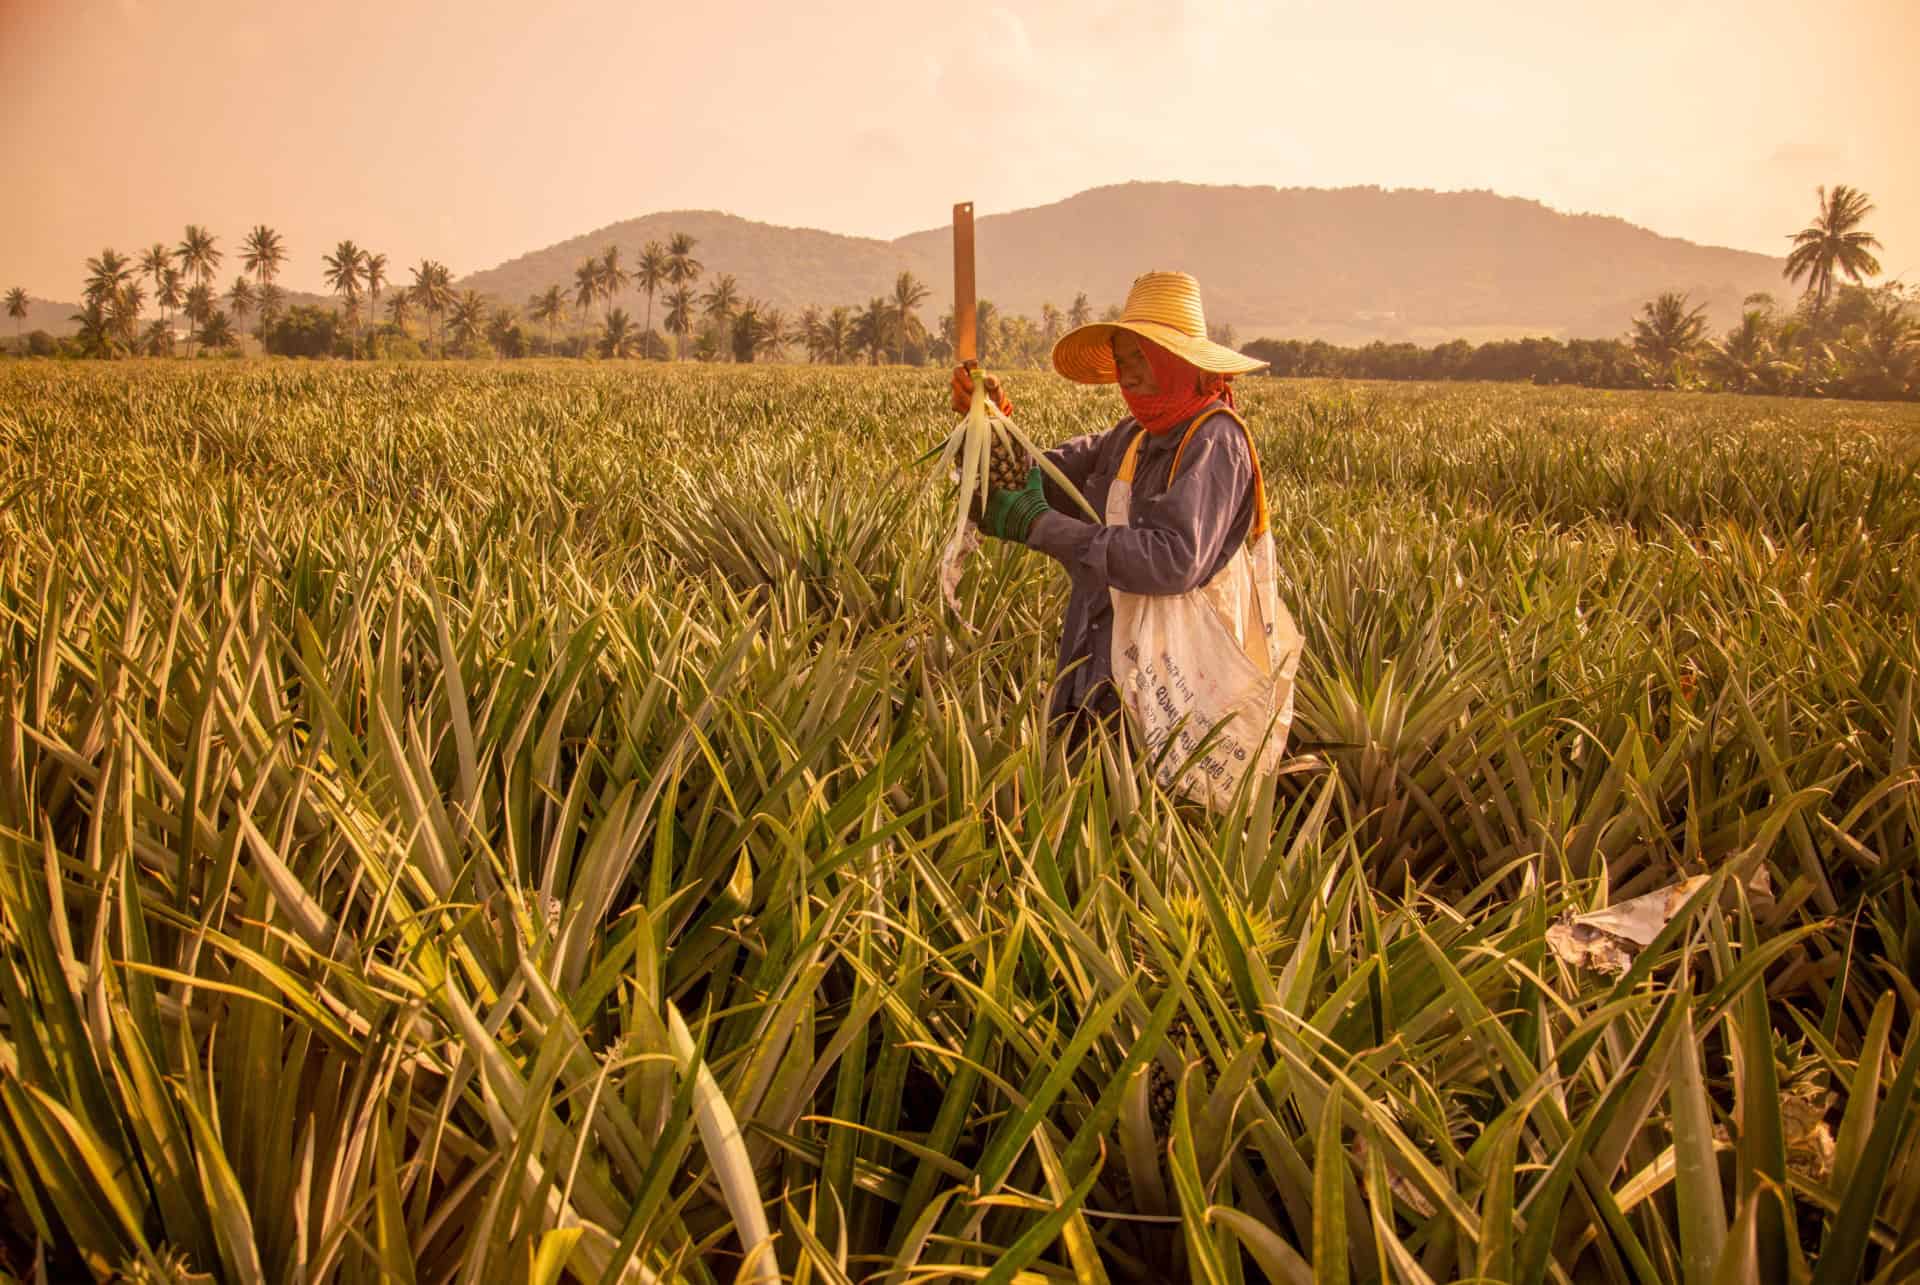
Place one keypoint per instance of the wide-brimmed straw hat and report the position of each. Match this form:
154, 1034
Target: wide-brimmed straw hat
1163, 307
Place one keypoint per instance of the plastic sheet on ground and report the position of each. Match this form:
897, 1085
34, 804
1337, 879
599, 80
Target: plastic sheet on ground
1607, 940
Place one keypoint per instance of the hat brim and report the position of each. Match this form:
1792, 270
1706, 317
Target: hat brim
1085, 354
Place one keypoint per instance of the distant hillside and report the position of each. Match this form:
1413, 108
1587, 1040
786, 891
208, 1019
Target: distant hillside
1348, 265
786, 267
42, 314
1356, 263
57, 318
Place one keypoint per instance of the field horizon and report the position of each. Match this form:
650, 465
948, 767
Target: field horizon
1347, 264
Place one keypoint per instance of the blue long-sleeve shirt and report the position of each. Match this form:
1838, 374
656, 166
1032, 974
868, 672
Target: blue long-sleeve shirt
1179, 537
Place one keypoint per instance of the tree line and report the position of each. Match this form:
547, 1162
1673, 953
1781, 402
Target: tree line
1842, 337
1865, 344
428, 317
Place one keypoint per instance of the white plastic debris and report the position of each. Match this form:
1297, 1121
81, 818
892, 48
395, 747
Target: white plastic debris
1607, 940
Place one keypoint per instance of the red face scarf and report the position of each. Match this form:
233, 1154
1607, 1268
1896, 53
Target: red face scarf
1185, 391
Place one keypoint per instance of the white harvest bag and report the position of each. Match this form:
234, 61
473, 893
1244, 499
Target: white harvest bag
1218, 660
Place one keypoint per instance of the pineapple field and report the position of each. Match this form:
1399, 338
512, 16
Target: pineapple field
470, 823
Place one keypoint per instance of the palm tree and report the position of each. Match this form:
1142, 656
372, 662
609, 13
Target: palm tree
1050, 319
650, 275
679, 318
17, 309
503, 332
262, 253
169, 297
240, 298
373, 272
106, 275
1080, 313
96, 335
836, 335
467, 319
721, 302
908, 293
757, 328
346, 269
986, 326
197, 255
548, 307
870, 329
158, 341
586, 286
1745, 359
1018, 339
350, 313
199, 308
154, 261
621, 338
373, 276
1833, 241
112, 302
682, 268
613, 277
156, 264
805, 331
743, 336
267, 304
770, 329
166, 286
1883, 352
433, 290
124, 309
399, 307
1667, 334
216, 331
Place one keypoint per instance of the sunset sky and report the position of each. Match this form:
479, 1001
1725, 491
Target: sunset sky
473, 132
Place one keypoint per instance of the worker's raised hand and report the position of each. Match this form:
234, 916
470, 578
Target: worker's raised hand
963, 392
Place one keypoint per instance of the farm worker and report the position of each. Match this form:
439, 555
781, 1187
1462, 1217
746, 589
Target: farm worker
1183, 527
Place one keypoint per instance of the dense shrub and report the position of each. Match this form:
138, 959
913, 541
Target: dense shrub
304, 331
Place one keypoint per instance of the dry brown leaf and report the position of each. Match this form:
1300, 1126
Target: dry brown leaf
1803, 1119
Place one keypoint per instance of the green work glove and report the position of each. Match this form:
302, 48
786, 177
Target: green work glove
1010, 514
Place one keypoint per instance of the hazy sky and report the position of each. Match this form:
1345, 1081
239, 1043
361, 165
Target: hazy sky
472, 132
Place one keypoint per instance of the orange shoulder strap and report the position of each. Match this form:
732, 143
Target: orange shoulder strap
1259, 527
1132, 456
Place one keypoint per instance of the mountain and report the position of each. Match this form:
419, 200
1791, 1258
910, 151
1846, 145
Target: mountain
1347, 264
57, 318
787, 267
42, 314
1353, 264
